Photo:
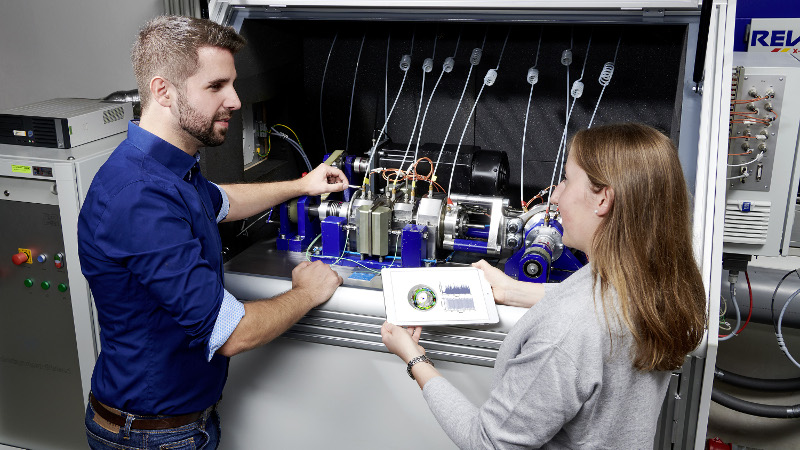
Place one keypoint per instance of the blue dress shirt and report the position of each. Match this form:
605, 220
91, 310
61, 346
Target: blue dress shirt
150, 249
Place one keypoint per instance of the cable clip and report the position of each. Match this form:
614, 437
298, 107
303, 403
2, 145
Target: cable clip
475, 57
566, 57
491, 76
405, 63
427, 65
449, 62
533, 76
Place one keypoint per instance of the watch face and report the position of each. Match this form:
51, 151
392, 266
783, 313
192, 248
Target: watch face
422, 297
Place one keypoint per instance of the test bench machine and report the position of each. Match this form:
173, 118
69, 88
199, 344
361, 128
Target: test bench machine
451, 121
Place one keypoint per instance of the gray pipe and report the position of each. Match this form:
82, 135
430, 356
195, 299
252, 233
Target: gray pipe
755, 409
763, 282
759, 384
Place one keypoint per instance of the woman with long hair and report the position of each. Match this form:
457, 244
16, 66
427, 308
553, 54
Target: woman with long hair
588, 364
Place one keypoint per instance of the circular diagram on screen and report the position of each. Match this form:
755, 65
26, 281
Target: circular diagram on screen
422, 297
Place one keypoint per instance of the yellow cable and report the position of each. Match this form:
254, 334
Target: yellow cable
295, 134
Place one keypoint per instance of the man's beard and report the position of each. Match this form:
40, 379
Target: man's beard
199, 126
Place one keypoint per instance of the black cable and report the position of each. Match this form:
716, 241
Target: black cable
755, 409
759, 384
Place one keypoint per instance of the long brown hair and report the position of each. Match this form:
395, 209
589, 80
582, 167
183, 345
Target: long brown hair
643, 247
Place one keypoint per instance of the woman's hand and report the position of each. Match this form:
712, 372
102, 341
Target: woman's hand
403, 342
508, 291
502, 284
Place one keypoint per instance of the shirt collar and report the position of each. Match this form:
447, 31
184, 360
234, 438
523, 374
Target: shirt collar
171, 157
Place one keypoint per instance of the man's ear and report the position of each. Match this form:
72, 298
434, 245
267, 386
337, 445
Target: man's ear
605, 200
162, 91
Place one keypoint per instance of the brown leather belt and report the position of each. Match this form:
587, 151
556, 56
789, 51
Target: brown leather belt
155, 423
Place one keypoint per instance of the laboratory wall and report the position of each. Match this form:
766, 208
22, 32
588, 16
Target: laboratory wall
76, 48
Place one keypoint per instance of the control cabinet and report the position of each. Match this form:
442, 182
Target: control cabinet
762, 175
48, 335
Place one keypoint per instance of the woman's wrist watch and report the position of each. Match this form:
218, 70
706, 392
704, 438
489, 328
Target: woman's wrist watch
420, 358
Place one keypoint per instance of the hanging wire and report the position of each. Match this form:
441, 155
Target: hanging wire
353, 91
466, 125
325, 71
383, 129
419, 109
452, 121
562, 146
386, 81
425, 115
604, 79
525, 128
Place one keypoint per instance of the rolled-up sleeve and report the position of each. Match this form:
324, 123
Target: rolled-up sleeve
230, 314
224, 204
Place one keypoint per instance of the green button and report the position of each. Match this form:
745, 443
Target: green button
45, 285
28, 282
62, 287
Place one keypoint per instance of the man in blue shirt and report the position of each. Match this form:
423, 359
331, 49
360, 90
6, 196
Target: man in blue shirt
150, 248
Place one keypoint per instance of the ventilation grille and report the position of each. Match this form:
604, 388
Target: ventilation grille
746, 227
113, 115
9, 124
44, 132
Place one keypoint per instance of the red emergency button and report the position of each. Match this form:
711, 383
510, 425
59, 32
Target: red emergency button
19, 258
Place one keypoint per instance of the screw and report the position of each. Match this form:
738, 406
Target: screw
6, 193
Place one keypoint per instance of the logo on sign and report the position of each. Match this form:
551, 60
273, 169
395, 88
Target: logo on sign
775, 35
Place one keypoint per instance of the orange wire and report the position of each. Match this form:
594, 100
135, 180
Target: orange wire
741, 102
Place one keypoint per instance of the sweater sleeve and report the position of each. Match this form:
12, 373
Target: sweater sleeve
539, 392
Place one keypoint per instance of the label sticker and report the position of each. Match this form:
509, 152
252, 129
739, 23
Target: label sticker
19, 133
365, 276
17, 168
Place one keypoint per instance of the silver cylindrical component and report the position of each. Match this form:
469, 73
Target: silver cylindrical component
328, 208
455, 223
514, 241
548, 236
360, 164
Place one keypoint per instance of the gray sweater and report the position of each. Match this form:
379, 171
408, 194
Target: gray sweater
557, 383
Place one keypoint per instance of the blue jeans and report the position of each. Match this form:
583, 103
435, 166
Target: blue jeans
202, 434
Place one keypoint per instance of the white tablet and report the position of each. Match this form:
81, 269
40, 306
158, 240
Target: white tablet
438, 296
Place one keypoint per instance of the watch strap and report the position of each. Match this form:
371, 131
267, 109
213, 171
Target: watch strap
420, 358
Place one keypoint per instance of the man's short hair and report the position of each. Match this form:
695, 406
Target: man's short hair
168, 46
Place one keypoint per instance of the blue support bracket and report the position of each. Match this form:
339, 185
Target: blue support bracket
296, 237
333, 236
414, 247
